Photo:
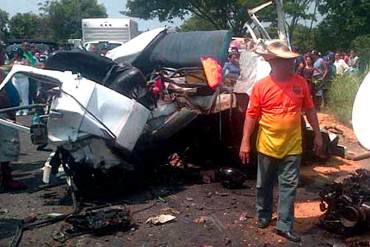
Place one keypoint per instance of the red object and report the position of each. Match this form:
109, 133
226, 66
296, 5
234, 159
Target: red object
213, 70
157, 87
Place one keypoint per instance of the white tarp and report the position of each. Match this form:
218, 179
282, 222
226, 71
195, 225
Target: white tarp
360, 113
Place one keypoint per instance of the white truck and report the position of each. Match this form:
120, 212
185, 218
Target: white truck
102, 34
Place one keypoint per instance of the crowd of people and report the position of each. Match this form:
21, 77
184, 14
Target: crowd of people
316, 69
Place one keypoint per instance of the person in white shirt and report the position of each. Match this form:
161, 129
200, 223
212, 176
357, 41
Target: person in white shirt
340, 65
253, 68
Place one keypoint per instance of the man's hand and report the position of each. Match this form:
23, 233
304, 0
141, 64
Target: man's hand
244, 153
317, 145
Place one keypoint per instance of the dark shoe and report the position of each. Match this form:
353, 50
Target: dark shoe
14, 185
7, 182
289, 235
263, 223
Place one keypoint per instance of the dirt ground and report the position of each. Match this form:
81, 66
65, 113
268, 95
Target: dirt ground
206, 214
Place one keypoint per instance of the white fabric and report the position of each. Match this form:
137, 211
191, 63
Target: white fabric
341, 66
21, 83
252, 69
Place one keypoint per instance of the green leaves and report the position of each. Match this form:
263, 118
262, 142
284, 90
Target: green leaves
63, 17
344, 21
23, 26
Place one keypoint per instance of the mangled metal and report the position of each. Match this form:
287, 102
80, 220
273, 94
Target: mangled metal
104, 115
346, 205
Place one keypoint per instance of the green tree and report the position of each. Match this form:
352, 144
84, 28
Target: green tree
63, 17
219, 14
344, 21
25, 26
195, 23
304, 38
4, 20
361, 44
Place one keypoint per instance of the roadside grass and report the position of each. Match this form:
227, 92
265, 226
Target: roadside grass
341, 95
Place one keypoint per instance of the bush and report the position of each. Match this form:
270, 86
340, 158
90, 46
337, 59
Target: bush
341, 95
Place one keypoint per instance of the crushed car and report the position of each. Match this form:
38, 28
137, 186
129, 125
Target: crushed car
158, 94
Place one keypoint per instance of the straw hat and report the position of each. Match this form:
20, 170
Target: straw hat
275, 48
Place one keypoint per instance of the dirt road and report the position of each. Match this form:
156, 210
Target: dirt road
206, 214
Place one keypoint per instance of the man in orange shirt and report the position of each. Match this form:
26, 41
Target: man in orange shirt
276, 103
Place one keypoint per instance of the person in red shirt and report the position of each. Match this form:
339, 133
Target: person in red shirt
276, 104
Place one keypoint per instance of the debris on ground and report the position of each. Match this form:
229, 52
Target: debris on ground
101, 219
4, 211
232, 177
347, 204
201, 220
160, 219
243, 217
208, 176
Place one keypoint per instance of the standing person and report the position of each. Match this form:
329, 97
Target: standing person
276, 103
231, 68
340, 65
306, 71
354, 61
319, 78
28, 55
21, 82
9, 139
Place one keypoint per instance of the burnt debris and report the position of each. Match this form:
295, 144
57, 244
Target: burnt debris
347, 204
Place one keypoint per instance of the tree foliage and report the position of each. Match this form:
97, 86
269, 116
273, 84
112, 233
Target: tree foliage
195, 23
4, 20
217, 14
24, 26
361, 44
63, 17
344, 20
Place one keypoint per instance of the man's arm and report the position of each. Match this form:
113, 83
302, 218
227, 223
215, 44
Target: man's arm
245, 147
326, 71
312, 119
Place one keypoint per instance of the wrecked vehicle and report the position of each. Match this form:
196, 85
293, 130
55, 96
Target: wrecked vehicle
162, 94
108, 119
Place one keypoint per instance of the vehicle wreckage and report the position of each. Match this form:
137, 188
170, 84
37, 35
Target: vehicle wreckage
159, 93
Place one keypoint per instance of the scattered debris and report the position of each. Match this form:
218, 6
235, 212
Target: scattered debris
201, 220
243, 217
209, 176
222, 194
4, 211
101, 219
347, 205
175, 161
160, 219
30, 219
170, 211
232, 177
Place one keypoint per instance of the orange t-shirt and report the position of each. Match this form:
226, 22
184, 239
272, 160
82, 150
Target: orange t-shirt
278, 106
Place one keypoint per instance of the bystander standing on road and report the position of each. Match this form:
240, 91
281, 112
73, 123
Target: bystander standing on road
276, 103
9, 139
306, 70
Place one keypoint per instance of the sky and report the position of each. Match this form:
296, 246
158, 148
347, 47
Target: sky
113, 8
